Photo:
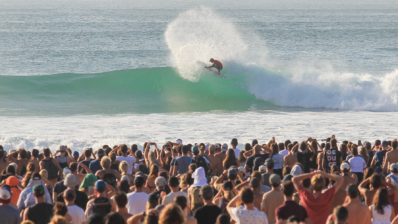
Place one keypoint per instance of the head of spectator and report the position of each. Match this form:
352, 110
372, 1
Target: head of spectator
262, 169
123, 149
297, 169
288, 190
114, 218
87, 153
181, 201
124, 186
248, 147
46, 153
153, 201
345, 168
232, 174
100, 188
340, 214
317, 182
5, 195
57, 219
381, 200
375, 181
195, 150
224, 147
255, 184
258, 175
206, 193
160, 183
173, 184
269, 163
69, 197
139, 182
254, 142
242, 171
95, 219
123, 167
38, 193
88, 181
120, 200
199, 177
71, 181
106, 163
234, 143
247, 197
352, 191
192, 167
223, 219
275, 180
228, 186
172, 214
286, 170
186, 180
60, 209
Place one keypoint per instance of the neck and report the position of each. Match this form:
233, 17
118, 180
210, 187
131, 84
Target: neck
256, 190
354, 200
39, 200
288, 198
249, 206
174, 189
275, 188
123, 210
125, 154
270, 171
69, 203
138, 189
208, 202
103, 194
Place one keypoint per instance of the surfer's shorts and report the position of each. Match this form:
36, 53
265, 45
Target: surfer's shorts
218, 67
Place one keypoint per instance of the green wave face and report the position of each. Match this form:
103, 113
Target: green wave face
151, 90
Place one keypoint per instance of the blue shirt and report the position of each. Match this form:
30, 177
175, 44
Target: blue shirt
380, 158
95, 165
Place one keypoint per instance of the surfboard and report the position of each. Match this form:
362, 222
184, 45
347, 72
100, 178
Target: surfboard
216, 73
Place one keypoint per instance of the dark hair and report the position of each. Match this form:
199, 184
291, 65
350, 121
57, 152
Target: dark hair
11, 169
70, 197
333, 143
95, 219
341, 213
185, 149
154, 171
394, 144
375, 181
343, 150
368, 172
46, 152
121, 199
134, 148
173, 182
123, 148
248, 147
73, 166
286, 170
87, 153
377, 142
35, 153
192, 167
124, 186
138, 153
189, 178
281, 146
381, 200
352, 191
288, 188
107, 150
139, 183
60, 209
22, 154
247, 196
275, 149
287, 142
230, 159
290, 146
306, 183
114, 218
181, 201
223, 219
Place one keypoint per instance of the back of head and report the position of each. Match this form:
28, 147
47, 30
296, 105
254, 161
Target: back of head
87, 153
69, 195
206, 192
223, 219
121, 199
340, 213
60, 209
381, 200
173, 182
57, 219
139, 181
23, 154
73, 166
375, 181
317, 182
124, 186
333, 143
95, 219
394, 144
172, 214
46, 152
185, 149
352, 191
257, 174
288, 188
106, 162
247, 196
114, 218
123, 148
181, 201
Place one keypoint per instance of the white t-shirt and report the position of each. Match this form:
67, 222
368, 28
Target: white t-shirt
284, 152
244, 216
136, 202
236, 152
130, 160
77, 214
357, 164
172, 195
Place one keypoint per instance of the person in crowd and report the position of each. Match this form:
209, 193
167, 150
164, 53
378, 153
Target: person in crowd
114, 218
339, 216
393, 179
64, 159
375, 182
234, 145
173, 184
59, 187
88, 183
224, 196
248, 214
231, 174
30, 168
317, 201
256, 160
272, 199
208, 213
74, 169
242, 158
378, 159
359, 213
85, 158
14, 185
391, 156
153, 174
123, 167
223, 219
95, 164
269, 165
263, 188
172, 214
349, 178
71, 182
381, 210
121, 202
57, 219
26, 198
181, 163
40, 212
21, 162
160, 190
283, 149
194, 190
183, 203
101, 204
276, 158
107, 174
62, 210
230, 160
125, 157
216, 165
221, 153
138, 199
332, 156
289, 207
290, 159
51, 165
357, 163
8, 214
3, 161
75, 212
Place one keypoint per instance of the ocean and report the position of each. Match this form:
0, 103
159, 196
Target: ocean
89, 73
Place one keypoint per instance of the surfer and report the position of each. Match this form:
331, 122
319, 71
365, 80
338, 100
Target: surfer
216, 64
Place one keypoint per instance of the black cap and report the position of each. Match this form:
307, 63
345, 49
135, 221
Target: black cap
139, 180
234, 141
254, 142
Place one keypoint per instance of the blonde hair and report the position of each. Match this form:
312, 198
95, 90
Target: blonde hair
44, 174
57, 219
105, 162
317, 182
364, 153
123, 166
152, 159
172, 214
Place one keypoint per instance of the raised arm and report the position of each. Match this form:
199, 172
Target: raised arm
362, 186
84, 167
297, 179
220, 178
338, 179
232, 203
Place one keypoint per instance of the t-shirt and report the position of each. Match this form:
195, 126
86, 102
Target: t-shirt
317, 208
95, 165
207, 214
380, 158
245, 216
40, 213
9, 215
81, 199
170, 197
266, 179
271, 201
59, 187
77, 214
236, 151
136, 202
183, 163
332, 157
158, 195
250, 160
130, 160
278, 161
306, 161
284, 152
289, 208
357, 164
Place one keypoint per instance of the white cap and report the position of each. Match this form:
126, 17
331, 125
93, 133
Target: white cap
241, 169
5, 193
345, 166
262, 169
125, 177
393, 166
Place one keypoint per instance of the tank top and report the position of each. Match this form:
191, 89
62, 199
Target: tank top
379, 218
62, 162
40, 213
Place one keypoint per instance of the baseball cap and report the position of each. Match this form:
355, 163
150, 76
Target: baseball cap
269, 162
224, 147
262, 169
38, 189
153, 198
66, 171
212, 148
160, 181
195, 148
179, 141
71, 181
100, 185
100, 152
275, 179
345, 166
139, 180
255, 182
5, 194
393, 166
232, 171
234, 141
385, 143
75, 153
62, 148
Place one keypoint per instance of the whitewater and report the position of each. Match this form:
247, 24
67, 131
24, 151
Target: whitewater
87, 75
